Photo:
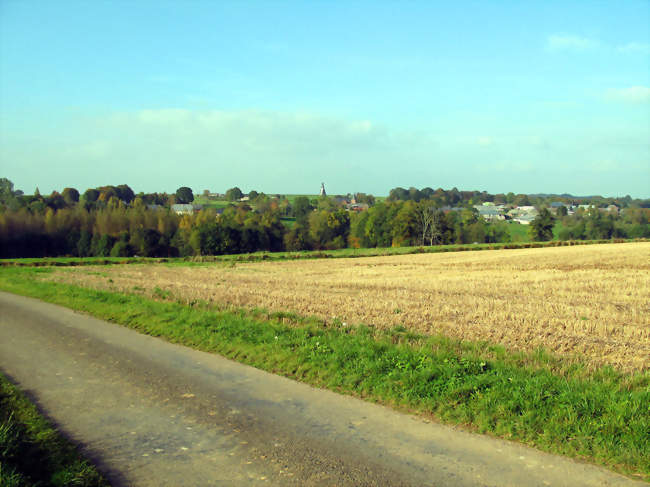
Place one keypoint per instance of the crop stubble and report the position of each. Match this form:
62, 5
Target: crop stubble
592, 301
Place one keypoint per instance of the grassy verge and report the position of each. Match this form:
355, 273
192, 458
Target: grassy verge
551, 403
32, 452
314, 254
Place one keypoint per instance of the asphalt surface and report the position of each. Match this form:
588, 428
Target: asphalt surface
150, 413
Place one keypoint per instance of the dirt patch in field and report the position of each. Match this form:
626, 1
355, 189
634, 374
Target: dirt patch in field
588, 300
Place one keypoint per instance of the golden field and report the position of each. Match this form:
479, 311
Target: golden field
592, 301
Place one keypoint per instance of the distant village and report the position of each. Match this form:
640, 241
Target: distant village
526, 214
488, 211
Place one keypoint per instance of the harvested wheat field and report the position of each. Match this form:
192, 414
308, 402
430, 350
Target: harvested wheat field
592, 301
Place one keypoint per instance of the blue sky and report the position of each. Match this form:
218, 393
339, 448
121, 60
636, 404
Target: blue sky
364, 96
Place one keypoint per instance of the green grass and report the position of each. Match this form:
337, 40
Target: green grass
314, 254
208, 203
32, 453
519, 233
555, 404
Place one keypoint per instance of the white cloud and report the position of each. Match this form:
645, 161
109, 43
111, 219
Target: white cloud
570, 43
633, 94
292, 152
163, 117
634, 47
484, 140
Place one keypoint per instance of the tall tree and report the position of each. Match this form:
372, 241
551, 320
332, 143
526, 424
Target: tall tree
91, 195
184, 195
234, 194
71, 196
541, 228
125, 193
301, 209
6, 190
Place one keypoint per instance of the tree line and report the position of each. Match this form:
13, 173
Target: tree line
114, 221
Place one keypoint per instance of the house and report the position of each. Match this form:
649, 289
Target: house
489, 212
357, 207
186, 209
525, 219
523, 214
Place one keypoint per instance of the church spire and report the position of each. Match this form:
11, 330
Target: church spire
322, 189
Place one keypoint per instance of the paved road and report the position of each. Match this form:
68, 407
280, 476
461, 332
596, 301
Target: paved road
150, 413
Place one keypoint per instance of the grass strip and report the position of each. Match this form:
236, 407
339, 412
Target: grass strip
602, 416
32, 453
307, 254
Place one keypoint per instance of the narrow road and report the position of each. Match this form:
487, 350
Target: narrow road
150, 413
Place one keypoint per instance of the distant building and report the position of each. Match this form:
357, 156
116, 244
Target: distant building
186, 209
524, 219
322, 189
357, 207
489, 212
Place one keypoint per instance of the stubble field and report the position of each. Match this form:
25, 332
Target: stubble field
587, 301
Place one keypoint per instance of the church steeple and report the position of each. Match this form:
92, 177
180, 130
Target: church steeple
322, 189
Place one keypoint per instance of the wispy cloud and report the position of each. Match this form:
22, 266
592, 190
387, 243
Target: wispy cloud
575, 43
484, 140
633, 94
292, 152
634, 47
561, 42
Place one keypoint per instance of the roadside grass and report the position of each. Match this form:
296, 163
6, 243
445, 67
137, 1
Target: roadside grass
307, 254
555, 404
32, 453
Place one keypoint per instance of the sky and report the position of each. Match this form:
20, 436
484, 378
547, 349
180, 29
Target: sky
499, 96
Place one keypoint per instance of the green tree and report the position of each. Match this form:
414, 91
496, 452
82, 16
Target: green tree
397, 194
6, 190
55, 201
297, 238
301, 209
406, 225
90, 196
83, 245
125, 193
71, 196
234, 194
184, 195
541, 228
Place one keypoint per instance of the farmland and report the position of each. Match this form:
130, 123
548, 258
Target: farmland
587, 301
453, 336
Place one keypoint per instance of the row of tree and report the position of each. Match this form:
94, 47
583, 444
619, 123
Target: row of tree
113, 221
126, 231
